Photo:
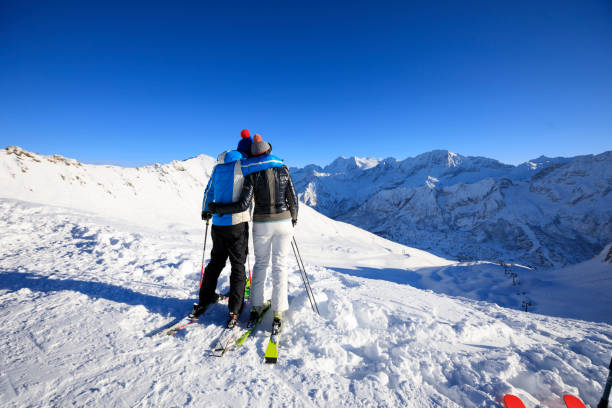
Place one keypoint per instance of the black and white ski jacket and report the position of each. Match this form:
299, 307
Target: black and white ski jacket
274, 194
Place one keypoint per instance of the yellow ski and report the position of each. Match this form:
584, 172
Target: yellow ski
272, 349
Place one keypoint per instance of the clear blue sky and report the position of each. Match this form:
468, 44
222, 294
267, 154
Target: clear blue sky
134, 84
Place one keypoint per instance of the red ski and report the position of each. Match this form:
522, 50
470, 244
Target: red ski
512, 401
573, 402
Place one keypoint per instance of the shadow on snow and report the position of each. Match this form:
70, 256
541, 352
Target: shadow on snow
14, 281
401, 276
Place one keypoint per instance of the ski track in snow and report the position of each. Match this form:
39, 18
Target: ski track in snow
79, 294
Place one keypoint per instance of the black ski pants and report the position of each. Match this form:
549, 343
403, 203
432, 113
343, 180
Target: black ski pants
228, 242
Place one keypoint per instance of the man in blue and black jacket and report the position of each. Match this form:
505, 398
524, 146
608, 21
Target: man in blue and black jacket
230, 233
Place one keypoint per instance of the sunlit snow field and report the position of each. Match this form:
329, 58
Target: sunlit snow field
82, 289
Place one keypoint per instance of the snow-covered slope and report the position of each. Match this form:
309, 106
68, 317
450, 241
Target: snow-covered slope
566, 288
83, 281
544, 213
169, 197
149, 195
160, 196
79, 294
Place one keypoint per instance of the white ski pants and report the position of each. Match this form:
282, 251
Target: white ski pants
272, 242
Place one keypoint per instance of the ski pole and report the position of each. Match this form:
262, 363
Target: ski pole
300, 263
249, 262
249, 283
603, 403
302, 276
204, 253
305, 274
296, 251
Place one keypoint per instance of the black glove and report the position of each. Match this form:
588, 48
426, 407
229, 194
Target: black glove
206, 215
294, 221
212, 207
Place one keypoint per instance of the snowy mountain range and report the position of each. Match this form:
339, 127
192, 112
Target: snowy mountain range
93, 259
547, 212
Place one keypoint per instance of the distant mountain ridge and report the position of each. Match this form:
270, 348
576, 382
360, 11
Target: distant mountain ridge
545, 212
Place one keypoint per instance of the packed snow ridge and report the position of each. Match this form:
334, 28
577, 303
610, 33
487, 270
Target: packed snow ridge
93, 259
548, 212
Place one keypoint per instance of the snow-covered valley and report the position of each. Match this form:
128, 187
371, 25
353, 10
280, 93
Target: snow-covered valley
95, 258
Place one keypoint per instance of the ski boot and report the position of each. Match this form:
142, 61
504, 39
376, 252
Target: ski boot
257, 311
199, 308
232, 321
277, 323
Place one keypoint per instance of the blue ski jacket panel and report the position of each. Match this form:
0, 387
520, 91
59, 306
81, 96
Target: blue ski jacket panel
258, 163
225, 186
